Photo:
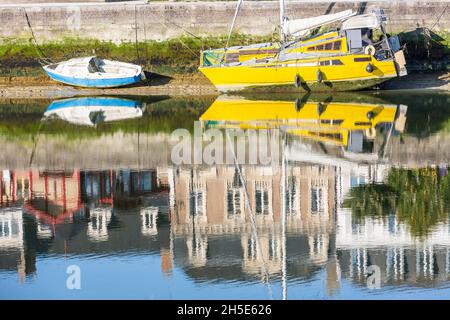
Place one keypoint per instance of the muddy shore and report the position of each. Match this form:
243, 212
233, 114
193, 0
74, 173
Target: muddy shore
41, 87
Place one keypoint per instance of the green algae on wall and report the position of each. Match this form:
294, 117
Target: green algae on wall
174, 55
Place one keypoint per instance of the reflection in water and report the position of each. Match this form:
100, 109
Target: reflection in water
349, 125
93, 111
348, 204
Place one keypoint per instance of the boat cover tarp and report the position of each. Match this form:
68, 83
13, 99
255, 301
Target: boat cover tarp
370, 20
211, 58
301, 27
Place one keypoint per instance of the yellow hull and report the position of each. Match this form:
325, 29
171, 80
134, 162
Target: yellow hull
329, 124
352, 116
346, 76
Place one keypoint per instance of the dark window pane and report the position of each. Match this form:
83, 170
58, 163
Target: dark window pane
258, 196
337, 45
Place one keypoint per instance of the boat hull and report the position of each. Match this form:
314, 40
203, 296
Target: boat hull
324, 86
94, 83
295, 76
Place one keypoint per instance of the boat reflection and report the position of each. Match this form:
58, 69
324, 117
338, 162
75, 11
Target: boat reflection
91, 111
352, 127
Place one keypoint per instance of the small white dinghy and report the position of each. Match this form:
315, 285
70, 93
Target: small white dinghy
93, 72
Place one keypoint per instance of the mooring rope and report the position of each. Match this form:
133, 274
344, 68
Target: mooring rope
439, 18
41, 52
136, 35
165, 25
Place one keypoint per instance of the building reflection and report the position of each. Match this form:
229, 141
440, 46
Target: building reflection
210, 203
208, 231
65, 212
196, 219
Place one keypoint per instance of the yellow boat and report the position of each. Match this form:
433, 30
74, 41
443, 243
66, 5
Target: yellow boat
347, 58
337, 123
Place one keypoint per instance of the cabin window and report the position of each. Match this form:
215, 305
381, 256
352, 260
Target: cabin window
324, 63
328, 46
362, 59
337, 62
337, 45
354, 39
232, 57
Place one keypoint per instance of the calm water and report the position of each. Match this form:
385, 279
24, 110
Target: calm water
358, 209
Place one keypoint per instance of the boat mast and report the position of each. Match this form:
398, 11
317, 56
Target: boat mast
238, 6
282, 17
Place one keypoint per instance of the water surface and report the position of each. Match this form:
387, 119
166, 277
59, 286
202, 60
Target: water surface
366, 186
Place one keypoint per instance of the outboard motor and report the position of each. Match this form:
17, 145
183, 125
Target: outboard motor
93, 65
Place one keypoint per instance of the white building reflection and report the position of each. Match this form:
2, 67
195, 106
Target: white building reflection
149, 217
98, 224
208, 230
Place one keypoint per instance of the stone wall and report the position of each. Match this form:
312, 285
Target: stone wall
122, 22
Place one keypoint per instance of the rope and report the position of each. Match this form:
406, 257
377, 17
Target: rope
427, 30
195, 54
439, 18
39, 50
136, 35
146, 52
182, 43
145, 41
187, 31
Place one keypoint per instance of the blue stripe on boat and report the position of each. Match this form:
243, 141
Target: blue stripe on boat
93, 102
95, 83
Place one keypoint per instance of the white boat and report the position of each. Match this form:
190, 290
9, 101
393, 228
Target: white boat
94, 72
91, 111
